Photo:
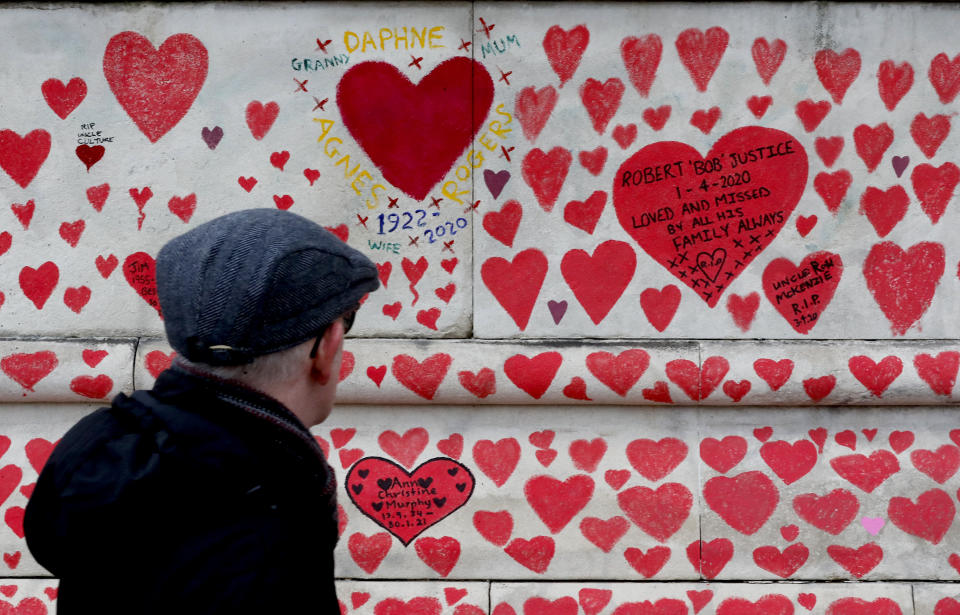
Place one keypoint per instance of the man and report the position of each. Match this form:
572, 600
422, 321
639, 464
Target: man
208, 494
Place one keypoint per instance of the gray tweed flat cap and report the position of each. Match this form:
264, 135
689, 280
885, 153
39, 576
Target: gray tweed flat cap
254, 282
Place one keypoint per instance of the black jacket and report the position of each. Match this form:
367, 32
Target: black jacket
199, 496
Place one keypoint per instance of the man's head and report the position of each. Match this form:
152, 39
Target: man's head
244, 291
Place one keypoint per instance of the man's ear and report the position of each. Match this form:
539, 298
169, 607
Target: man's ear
322, 365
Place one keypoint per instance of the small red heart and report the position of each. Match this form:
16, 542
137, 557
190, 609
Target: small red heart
625, 135
24, 212
705, 119
658, 392
656, 118
106, 265
340, 437
828, 148
807, 601
358, 599
376, 373
790, 532
283, 202
452, 446
6, 239
805, 224
593, 160
546, 457
577, 389
8, 590
392, 309
279, 159
51, 593
763, 433
97, 195
71, 232
97, 387
12, 560
311, 174
156, 361
93, 357
616, 478
90, 156
260, 117
76, 298
349, 455
184, 207
758, 105
812, 113
542, 439
247, 183
341, 231
743, 309
428, 318
818, 388
449, 264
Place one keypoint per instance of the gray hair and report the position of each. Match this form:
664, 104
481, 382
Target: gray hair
264, 371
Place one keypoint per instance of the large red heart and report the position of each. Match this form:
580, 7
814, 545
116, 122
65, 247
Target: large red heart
558, 502
140, 270
22, 157
706, 218
903, 282
63, 99
414, 133
408, 503
745, 502
659, 513
156, 87
831, 513
516, 284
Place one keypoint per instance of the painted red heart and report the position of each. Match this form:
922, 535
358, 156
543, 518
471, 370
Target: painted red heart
847, 438
283, 201
949, 606
654, 460
709, 558
23, 212
789, 461
801, 293
94, 387
859, 561
736, 390
930, 518
601, 101
648, 564
497, 460
576, 389
705, 119
90, 156
586, 454
564, 49
585, 214
758, 105
516, 284
97, 195
706, 230
496, 527
260, 118
805, 224
156, 87
893, 82
743, 309
774, 373
541, 606
405, 448
557, 502
593, 160
63, 99
407, 503
38, 284
659, 513
592, 600
763, 433
700, 53
616, 478
828, 148
781, 563
423, 378
831, 513
699, 598
939, 372
368, 553
22, 157
900, 440
657, 118
140, 271
534, 554
745, 502
247, 183
641, 57
867, 473
533, 375
659, 306
542, 439
93, 357
884, 209
76, 298
624, 135
312, 175
723, 455
450, 104
940, 465
832, 187
944, 75
875, 376
619, 372
598, 280
545, 173
157, 361
811, 113
533, 108
440, 554
71, 232
872, 143
903, 282
837, 71
183, 207
929, 133
768, 57
697, 383
771, 604
428, 318
482, 384
414, 270
279, 159
934, 187
502, 225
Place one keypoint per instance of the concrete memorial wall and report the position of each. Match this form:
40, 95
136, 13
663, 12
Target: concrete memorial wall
669, 290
